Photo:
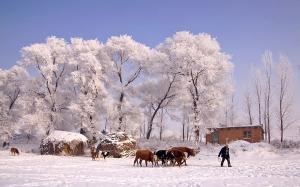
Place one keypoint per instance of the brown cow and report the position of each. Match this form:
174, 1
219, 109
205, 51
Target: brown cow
143, 154
94, 153
14, 151
189, 151
176, 155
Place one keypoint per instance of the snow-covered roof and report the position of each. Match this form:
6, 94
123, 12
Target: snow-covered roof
65, 136
243, 126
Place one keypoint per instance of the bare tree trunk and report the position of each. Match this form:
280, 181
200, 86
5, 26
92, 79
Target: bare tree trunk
258, 97
267, 58
183, 126
281, 114
268, 111
124, 83
161, 123
226, 116
163, 102
144, 130
188, 129
285, 101
249, 107
265, 121
195, 94
232, 112
105, 126
141, 129
121, 98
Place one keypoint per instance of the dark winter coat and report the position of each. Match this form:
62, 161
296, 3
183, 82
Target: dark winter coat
224, 153
161, 155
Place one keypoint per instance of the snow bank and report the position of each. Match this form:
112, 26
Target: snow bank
243, 149
255, 150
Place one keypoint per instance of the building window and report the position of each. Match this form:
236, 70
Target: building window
247, 134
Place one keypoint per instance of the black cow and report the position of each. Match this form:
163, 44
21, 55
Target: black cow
162, 156
5, 144
170, 157
104, 154
102, 151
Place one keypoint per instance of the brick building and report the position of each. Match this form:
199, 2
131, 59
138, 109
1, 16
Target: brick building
223, 135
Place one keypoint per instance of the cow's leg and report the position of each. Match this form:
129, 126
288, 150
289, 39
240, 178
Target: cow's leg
135, 161
146, 162
141, 162
179, 162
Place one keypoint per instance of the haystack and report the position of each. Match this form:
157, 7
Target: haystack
63, 143
118, 144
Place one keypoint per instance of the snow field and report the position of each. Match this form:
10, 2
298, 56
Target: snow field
47, 170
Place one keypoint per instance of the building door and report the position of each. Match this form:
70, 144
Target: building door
215, 137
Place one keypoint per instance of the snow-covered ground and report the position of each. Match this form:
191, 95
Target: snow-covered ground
253, 165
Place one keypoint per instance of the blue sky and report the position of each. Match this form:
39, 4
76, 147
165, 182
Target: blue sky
243, 28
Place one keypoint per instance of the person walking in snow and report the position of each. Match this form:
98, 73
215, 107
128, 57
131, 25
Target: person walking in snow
224, 153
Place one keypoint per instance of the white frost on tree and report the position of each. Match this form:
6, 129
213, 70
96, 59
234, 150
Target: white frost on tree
49, 60
12, 91
129, 58
285, 96
205, 70
87, 79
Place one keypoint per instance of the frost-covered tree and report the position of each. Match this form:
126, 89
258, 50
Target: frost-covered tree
160, 89
185, 113
12, 106
50, 62
258, 93
285, 97
129, 60
87, 80
159, 94
205, 69
268, 63
248, 101
228, 116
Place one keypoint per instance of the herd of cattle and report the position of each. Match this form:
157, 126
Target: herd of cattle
172, 156
175, 155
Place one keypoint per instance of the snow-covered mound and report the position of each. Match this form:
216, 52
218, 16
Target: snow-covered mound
243, 149
261, 149
63, 142
119, 144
